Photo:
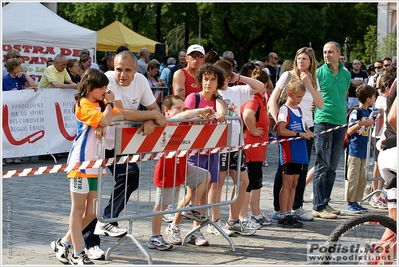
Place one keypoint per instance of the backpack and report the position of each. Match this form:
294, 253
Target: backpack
347, 136
283, 95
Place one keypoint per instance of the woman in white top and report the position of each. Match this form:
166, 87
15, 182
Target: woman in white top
304, 69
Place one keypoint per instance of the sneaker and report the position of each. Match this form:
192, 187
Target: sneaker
109, 229
17, 161
62, 252
10, 160
302, 215
194, 215
289, 222
157, 242
81, 259
380, 203
352, 208
263, 221
324, 214
265, 163
168, 217
331, 210
214, 231
383, 202
361, 207
95, 253
276, 215
173, 234
251, 224
240, 228
199, 239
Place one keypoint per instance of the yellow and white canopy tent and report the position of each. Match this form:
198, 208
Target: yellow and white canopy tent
116, 34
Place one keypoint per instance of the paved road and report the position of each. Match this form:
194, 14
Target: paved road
36, 209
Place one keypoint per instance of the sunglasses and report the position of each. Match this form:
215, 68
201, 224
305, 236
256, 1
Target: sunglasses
17, 56
378, 67
195, 55
387, 65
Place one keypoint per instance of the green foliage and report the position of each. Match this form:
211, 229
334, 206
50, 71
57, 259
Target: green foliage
388, 46
250, 30
370, 41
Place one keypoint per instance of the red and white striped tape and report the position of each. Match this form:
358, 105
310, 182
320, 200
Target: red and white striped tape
141, 157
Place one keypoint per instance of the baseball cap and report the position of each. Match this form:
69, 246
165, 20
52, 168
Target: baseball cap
195, 47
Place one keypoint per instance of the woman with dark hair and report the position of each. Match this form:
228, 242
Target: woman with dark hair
152, 74
84, 63
73, 69
246, 70
211, 57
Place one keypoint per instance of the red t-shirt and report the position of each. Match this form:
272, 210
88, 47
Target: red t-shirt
166, 169
256, 154
190, 84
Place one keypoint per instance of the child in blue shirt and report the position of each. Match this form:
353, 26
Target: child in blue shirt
293, 153
357, 154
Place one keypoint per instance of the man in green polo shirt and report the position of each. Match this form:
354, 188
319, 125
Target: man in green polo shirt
56, 75
334, 82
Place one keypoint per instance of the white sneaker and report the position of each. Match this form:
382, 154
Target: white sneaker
302, 215
251, 224
62, 251
168, 217
214, 231
81, 259
95, 253
173, 234
263, 221
109, 229
199, 239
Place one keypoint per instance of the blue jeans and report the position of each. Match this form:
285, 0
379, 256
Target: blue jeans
328, 153
120, 185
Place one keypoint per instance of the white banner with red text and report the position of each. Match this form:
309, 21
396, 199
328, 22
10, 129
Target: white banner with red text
38, 123
34, 58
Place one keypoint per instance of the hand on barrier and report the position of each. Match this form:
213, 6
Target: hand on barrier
147, 127
99, 132
220, 117
160, 119
206, 113
307, 135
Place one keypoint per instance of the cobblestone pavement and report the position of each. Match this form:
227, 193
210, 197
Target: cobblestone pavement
36, 210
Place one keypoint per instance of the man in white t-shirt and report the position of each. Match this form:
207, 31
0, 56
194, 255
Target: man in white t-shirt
130, 89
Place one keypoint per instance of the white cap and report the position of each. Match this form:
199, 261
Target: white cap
195, 47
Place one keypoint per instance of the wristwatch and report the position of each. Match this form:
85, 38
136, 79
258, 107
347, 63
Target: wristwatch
297, 134
111, 104
219, 97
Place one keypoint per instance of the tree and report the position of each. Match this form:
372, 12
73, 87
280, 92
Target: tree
250, 30
370, 41
388, 46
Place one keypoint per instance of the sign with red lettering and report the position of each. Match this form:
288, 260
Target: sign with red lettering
38, 123
34, 58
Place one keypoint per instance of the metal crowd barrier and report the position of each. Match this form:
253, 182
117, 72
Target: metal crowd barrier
377, 125
189, 137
